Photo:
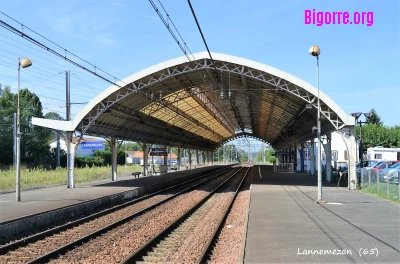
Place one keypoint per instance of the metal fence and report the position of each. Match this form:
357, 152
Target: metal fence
284, 167
384, 184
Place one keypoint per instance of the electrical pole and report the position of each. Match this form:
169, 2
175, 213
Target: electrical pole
58, 150
70, 152
15, 140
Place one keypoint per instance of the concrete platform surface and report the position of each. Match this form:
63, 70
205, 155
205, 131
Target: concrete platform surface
45, 199
287, 226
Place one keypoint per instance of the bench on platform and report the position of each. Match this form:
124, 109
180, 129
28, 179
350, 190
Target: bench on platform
136, 174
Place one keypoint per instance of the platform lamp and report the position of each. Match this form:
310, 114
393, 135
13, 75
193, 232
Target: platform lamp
25, 63
357, 115
315, 51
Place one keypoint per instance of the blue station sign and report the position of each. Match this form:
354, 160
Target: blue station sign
157, 150
282, 153
92, 145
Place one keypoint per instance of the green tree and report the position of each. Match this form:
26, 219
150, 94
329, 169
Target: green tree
242, 155
35, 149
56, 134
133, 146
374, 118
34, 140
377, 135
269, 157
7, 110
54, 116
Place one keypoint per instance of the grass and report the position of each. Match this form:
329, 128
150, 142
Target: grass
382, 193
41, 178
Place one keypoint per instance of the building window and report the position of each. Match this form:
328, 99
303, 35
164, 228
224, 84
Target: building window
334, 155
346, 155
378, 156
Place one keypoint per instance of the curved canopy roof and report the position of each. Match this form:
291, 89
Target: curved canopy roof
190, 104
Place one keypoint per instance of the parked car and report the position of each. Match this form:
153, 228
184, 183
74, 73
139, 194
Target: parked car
385, 164
366, 163
376, 168
383, 172
370, 164
394, 176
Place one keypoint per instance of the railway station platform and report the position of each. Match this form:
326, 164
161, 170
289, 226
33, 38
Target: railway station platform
52, 198
286, 225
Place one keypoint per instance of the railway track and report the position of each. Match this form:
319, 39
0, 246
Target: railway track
190, 238
42, 247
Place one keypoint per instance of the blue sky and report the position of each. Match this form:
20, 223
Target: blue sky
359, 65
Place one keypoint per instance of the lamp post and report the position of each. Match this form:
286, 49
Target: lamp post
357, 115
315, 51
24, 64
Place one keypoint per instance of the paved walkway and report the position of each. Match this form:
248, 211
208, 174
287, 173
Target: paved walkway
45, 199
285, 222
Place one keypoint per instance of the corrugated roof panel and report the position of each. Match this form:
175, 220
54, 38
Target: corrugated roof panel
185, 112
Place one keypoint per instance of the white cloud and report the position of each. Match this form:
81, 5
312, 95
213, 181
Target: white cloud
105, 39
81, 24
149, 16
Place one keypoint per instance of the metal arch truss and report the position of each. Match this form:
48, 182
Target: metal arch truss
138, 86
242, 135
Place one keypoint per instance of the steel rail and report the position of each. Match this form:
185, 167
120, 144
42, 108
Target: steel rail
138, 254
211, 243
41, 235
33, 238
59, 251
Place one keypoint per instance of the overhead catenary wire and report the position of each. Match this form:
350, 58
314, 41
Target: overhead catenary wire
169, 29
212, 61
84, 82
34, 41
32, 53
13, 63
184, 51
45, 47
177, 31
13, 88
58, 54
57, 45
41, 51
45, 78
15, 78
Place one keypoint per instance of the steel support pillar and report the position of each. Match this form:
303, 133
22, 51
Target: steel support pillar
170, 156
190, 158
301, 153
145, 159
15, 141
294, 149
58, 150
328, 158
350, 141
179, 159
70, 160
197, 158
312, 157
166, 155
263, 153
114, 150
224, 151
287, 157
